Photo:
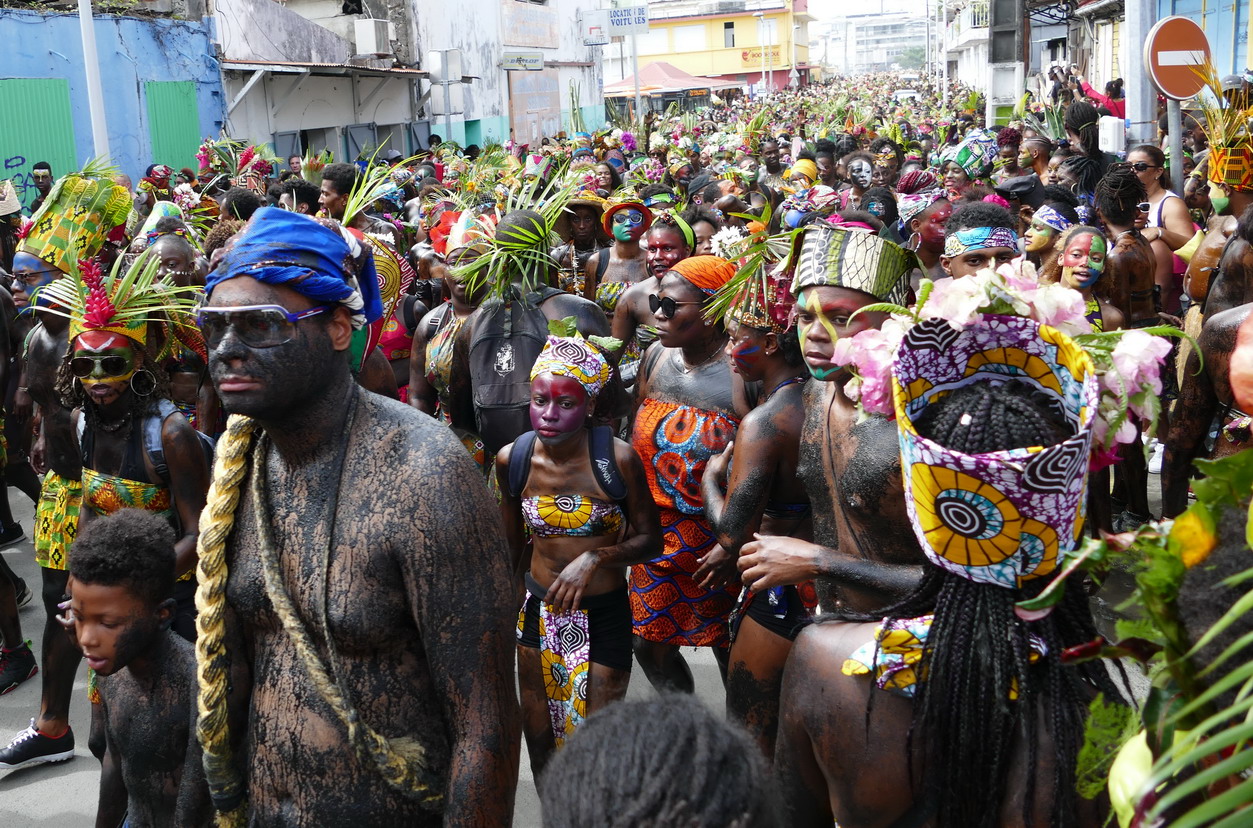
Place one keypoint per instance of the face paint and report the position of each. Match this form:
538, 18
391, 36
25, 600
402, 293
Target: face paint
860, 173
1039, 236
1024, 159
1083, 261
558, 407
744, 348
824, 314
1218, 199
627, 225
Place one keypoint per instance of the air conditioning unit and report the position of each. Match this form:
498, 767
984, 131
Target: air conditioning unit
371, 37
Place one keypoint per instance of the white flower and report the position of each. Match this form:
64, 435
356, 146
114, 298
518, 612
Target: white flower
726, 242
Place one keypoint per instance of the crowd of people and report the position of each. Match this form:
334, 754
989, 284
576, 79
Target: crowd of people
427, 453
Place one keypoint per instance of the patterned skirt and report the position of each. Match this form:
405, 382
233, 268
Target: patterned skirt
56, 520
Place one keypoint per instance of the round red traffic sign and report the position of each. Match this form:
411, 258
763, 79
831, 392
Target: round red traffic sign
1175, 56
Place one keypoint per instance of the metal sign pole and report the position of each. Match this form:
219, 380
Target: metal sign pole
95, 94
635, 70
1174, 117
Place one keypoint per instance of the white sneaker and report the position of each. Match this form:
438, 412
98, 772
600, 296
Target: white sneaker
1158, 456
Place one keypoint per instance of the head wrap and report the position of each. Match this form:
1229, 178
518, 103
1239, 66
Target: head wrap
909, 207
1232, 166
1003, 517
76, 217
606, 221
1049, 217
537, 166
157, 179
975, 153
917, 181
279, 247
706, 273
806, 168
853, 259
573, 357
979, 238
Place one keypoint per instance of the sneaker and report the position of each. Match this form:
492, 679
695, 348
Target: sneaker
23, 593
16, 666
1129, 521
30, 747
1157, 457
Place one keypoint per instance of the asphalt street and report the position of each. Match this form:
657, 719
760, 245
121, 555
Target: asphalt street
64, 795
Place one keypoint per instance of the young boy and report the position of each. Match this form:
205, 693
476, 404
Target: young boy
121, 584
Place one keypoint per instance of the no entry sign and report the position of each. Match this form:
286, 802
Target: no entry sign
1174, 56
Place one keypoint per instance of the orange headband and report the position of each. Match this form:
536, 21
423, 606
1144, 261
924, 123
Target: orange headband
708, 273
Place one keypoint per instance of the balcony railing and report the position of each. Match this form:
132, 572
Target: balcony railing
969, 26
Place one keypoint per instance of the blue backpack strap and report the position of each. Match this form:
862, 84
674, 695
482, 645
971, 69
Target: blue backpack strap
520, 463
152, 438
604, 464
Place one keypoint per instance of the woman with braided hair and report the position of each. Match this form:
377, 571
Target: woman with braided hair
981, 723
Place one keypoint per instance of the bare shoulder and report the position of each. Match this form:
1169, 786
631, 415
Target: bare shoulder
821, 649
409, 447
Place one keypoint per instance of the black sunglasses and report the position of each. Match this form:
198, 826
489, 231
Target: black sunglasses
258, 326
113, 366
667, 306
1141, 166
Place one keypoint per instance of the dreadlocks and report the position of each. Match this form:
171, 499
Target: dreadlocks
1118, 194
983, 688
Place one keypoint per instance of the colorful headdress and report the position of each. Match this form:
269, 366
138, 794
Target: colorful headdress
1232, 166
978, 238
575, 358
1002, 517
706, 273
1049, 217
765, 304
909, 207
122, 304
975, 153
606, 220
279, 247
76, 217
806, 168
852, 259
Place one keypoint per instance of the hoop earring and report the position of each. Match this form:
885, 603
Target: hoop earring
150, 383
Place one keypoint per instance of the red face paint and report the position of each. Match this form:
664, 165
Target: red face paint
558, 407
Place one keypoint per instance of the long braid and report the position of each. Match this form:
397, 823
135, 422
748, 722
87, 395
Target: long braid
978, 653
226, 782
401, 761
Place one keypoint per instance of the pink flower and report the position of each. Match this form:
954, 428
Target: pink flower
1061, 308
1138, 359
956, 300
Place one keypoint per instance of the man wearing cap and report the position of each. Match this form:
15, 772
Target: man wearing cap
863, 555
364, 652
1025, 195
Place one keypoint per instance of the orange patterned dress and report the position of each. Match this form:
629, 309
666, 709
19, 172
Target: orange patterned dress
676, 442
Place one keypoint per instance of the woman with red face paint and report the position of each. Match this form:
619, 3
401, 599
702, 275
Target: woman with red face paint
923, 216
688, 408
670, 240
581, 499
763, 494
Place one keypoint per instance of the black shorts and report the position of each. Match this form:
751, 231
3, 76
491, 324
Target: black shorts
794, 617
608, 625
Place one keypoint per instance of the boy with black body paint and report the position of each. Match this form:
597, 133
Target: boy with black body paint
121, 604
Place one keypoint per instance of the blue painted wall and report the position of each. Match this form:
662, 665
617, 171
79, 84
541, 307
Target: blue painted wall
132, 51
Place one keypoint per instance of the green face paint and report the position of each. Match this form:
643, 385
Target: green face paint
817, 358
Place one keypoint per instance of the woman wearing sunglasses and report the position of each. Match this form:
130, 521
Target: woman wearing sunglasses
688, 408
137, 450
1169, 226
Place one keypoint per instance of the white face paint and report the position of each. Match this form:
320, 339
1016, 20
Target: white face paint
860, 173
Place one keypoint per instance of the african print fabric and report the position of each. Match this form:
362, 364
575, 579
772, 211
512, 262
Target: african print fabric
573, 357
56, 520
564, 647
105, 494
439, 351
1092, 313
854, 259
608, 294
676, 442
978, 238
571, 515
894, 655
1002, 517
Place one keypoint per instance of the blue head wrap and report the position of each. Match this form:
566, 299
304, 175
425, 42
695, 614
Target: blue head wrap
279, 247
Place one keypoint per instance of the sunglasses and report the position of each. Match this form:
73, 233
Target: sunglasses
1141, 166
667, 306
33, 277
1144, 206
632, 217
111, 366
257, 326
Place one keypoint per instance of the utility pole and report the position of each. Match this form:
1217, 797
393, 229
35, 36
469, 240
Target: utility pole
1140, 95
95, 94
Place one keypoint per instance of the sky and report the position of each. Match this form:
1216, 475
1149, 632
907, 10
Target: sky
826, 9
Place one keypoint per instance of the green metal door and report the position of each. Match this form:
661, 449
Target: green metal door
37, 126
173, 122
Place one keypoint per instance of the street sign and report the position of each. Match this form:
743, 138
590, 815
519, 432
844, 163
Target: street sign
1174, 57
523, 62
594, 24
628, 20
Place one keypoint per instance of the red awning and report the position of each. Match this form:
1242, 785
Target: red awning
661, 77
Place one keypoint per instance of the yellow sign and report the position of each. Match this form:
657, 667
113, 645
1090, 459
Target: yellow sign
752, 58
